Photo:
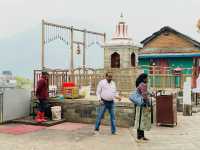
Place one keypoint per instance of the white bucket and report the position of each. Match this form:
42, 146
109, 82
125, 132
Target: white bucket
53, 90
56, 112
85, 91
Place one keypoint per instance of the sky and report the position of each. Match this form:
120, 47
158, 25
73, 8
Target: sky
20, 26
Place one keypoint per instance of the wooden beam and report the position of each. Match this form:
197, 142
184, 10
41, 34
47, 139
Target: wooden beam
72, 53
84, 47
75, 29
42, 56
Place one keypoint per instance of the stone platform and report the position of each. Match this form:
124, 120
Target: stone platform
30, 121
85, 111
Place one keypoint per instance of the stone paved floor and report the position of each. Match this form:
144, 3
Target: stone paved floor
186, 136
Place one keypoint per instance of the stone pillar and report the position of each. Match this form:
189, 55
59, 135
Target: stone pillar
106, 58
187, 110
187, 102
124, 58
136, 59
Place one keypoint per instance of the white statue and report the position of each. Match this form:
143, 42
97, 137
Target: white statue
187, 92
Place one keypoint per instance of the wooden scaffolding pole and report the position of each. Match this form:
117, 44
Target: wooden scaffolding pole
72, 31
42, 56
72, 53
104, 40
84, 47
69, 28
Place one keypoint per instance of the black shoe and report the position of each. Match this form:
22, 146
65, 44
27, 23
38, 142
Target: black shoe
145, 139
114, 133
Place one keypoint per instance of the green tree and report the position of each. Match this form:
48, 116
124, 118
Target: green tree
23, 83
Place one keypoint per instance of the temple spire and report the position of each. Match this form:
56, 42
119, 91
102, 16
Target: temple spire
122, 18
121, 29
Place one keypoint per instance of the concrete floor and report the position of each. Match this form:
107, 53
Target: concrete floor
67, 136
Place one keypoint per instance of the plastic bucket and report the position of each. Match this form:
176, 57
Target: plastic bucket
85, 91
56, 112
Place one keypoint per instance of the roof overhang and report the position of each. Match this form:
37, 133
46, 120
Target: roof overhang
169, 55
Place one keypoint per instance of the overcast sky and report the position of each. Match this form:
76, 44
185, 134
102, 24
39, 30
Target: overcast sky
143, 16
20, 17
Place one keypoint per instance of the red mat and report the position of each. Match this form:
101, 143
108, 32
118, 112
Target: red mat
18, 129
68, 126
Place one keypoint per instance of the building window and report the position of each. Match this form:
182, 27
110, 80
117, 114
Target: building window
133, 59
115, 60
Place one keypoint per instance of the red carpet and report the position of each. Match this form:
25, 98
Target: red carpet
68, 126
17, 129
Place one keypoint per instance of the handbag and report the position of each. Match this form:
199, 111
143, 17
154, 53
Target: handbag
136, 98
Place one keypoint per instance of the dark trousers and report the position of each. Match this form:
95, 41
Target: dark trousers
42, 105
140, 133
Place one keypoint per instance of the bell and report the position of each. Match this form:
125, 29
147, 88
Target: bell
78, 51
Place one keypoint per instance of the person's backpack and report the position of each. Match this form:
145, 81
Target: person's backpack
136, 98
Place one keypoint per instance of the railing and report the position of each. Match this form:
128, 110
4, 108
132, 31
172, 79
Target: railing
167, 81
56, 77
124, 79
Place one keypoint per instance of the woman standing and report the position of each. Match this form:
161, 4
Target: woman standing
142, 106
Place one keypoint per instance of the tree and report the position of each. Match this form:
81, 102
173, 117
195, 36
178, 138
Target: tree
23, 83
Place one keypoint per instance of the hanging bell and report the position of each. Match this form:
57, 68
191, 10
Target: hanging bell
78, 51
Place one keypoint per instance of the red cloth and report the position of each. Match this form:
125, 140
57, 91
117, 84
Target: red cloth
68, 84
42, 89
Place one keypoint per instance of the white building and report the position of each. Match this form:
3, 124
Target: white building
7, 81
120, 51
